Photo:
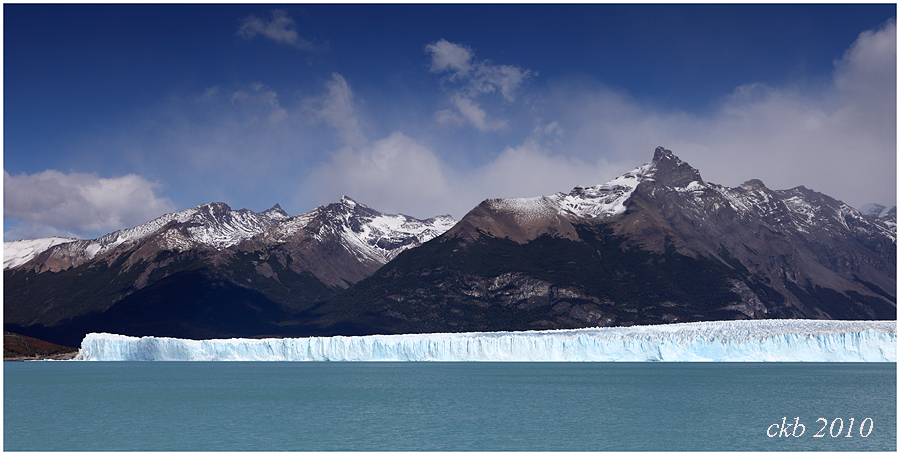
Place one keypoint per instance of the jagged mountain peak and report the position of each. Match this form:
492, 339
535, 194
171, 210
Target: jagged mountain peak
349, 206
276, 211
666, 190
379, 236
753, 184
373, 237
523, 219
211, 225
669, 170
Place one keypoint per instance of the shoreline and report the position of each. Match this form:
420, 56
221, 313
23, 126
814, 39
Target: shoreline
60, 356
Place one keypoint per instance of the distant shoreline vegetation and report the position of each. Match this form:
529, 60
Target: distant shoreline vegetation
20, 347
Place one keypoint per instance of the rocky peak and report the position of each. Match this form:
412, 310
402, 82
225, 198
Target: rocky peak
276, 212
349, 211
661, 153
668, 170
753, 184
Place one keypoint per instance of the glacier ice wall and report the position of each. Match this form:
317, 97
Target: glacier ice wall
727, 341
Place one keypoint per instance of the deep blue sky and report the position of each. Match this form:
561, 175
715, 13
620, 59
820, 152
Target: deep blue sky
142, 109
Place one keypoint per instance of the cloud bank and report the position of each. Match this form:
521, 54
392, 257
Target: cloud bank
490, 130
52, 203
838, 138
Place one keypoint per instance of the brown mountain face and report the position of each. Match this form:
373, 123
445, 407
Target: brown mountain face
657, 245
796, 241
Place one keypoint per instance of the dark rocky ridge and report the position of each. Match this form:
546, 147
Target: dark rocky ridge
206, 272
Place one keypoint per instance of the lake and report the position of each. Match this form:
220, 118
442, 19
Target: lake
452, 406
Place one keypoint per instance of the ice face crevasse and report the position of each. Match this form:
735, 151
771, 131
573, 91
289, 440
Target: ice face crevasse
731, 341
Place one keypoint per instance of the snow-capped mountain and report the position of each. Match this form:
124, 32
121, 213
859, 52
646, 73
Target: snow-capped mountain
18, 252
214, 226
372, 236
667, 177
658, 244
195, 256
655, 245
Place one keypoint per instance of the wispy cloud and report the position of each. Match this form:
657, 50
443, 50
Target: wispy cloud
262, 101
838, 139
280, 28
392, 174
476, 78
242, 144
78, 205
447, 56
336, 108
468, 111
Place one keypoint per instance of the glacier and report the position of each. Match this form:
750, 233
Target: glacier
725, 341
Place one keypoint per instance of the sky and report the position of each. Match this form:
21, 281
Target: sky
116, 114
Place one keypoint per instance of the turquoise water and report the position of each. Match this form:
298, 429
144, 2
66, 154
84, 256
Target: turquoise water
262, 406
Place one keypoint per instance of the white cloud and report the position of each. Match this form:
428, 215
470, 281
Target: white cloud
505, 79
839, 139
281, 29
529, 170
258, 101
79, 205
336, 108
475, 115
447, 56
391, 174
399, 174
868, 63
479, 77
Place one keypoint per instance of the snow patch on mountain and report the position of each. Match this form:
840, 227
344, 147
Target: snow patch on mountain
719, 341
381, 237
596, 202
605, 200
214, 225
370, 235
18, 252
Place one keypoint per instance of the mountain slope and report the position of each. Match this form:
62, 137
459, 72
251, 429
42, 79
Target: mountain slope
207, 271
656, 245
18, 252
208, 226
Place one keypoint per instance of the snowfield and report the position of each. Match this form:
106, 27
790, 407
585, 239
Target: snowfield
18, 252
721, 341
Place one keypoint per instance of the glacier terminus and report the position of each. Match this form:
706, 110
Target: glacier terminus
716, 341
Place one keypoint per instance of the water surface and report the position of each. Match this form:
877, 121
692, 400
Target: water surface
388, 406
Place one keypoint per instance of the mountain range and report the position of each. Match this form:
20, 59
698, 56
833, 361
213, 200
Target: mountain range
655, 245
209, 271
